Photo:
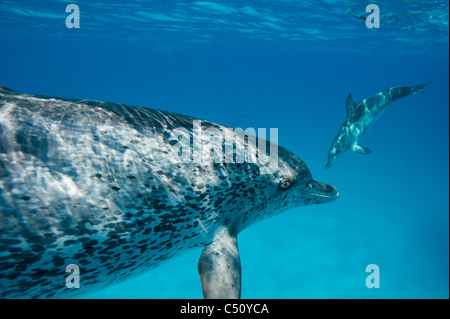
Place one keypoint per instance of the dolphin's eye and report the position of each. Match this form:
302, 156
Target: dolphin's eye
284, 183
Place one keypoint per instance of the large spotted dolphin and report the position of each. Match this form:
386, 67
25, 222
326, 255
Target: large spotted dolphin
360, 118
99, 185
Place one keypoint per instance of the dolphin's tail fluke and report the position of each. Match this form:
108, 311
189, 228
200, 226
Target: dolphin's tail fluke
418, 88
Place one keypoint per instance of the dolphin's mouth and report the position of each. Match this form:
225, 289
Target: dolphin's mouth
330, 162
322, 190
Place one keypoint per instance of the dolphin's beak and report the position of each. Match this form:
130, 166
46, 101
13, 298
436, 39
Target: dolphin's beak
330, 162
323, 193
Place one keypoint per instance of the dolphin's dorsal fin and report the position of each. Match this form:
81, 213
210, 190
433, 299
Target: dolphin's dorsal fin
220, 267
351, 105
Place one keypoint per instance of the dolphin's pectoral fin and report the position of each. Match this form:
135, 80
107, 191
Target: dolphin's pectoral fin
360, 149
220, 267
351, 105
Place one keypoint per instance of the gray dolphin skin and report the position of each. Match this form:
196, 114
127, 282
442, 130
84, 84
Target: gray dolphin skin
360, 118
97, 185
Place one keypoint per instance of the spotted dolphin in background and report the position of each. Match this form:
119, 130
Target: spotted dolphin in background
93, 184
360, 118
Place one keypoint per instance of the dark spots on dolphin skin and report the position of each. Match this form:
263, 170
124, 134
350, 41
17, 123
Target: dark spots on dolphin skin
79, 256
37, 248
20, 267
89, 246
14, 249
6, 265
58, 261
91, 221
139, 213
83, 262
30, 258
147, 231
38, 274
10, 241
13, 275
118, 227
46, 239
165, 227
69, 242
111, 237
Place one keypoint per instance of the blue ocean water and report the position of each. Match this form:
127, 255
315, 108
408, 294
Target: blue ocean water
287, 65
